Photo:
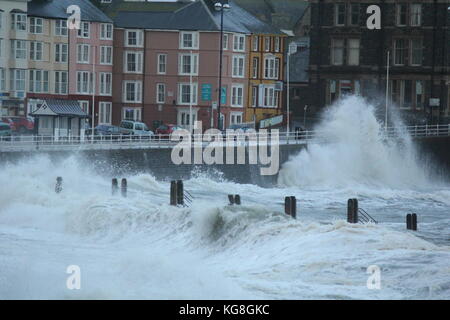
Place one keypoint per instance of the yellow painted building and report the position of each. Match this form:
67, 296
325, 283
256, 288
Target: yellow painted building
266, 76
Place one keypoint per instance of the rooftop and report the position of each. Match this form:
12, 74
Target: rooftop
56, 9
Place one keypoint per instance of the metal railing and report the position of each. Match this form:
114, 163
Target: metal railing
52, 143
364, 217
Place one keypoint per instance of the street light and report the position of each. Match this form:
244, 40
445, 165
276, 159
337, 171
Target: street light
219, 6
292, 49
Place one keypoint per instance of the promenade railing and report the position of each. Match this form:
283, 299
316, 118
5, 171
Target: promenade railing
48, 143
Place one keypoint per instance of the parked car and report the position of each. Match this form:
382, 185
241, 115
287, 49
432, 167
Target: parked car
5, 131
105, 130
135, 128
166, 130
20, 125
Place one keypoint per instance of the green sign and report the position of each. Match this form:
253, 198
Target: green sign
206, 92
223, 96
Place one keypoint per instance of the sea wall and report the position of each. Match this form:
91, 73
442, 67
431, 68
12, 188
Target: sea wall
158, 162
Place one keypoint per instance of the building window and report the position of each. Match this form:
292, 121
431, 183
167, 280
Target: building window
38, 81
238, 66
235, 118
61, 28
131, 114
84, 82
183, 117
61, 51
402, 14
105, 83
19, 22
271, 68
337, 52
83, 53
255, 43
83, 32
269, 96
36, 50
420, 97
1, 48
17, 79
134, 38
254, 96
186, 95
239, 43
400, 51
160, 93
188, 64
416, 52
277, 44
416, 14
237, 95
133, 62
339, 14
106, 55
225, 41
60, 82
255, 69
106, 31
353, 52
104, 113
354, 14
2, 79
19, 49
267, 44
162, 63
189, 40
84, 105
1, 19
132, 91
402, 93
36, 25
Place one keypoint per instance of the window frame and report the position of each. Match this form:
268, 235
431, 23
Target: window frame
137, 91
33, 26
239, 57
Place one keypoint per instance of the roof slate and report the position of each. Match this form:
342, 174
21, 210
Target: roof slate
56, 9
65, 107
199, 15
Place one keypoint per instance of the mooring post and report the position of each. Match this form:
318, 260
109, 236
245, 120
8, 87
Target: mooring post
173, 193
114, 186
414, 222
293, 207
123, 187
58, 186
237, 199
352, 210
408, 221
231, 199
287, 205
180, 192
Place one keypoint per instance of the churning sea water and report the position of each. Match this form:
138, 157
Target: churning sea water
141, 248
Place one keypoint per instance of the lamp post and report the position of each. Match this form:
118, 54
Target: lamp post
291, 50
219, 6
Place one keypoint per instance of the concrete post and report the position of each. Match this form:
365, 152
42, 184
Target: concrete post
58, 186
173, 193
123, 187
237, 199
114, 186
180, 192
